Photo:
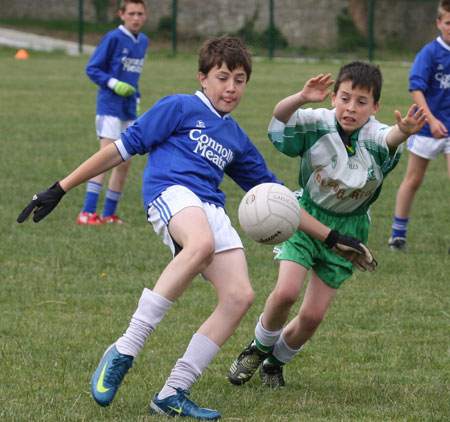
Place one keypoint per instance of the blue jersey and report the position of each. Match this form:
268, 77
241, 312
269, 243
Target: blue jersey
430, 74
191, 144
120, 55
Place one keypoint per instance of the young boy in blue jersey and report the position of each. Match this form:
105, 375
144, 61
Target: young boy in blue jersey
115, 67
429, 84
345, 155
194, 142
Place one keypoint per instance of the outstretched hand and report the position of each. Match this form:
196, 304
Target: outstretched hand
42, 203
414, 121
316, 89
351, 249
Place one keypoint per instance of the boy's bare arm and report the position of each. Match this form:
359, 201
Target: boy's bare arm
44, 202
406, 126
315, 91
101, 161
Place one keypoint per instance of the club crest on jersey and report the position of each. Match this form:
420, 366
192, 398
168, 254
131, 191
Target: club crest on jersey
334, 161
211, 149
371, 174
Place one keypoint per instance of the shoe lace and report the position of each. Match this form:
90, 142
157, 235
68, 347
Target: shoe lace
186, 402
252, 350
119, 367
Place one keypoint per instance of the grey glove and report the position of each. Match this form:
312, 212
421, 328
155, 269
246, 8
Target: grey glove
351, 249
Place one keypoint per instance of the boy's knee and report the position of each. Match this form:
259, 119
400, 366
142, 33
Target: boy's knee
414, 182
247, 297
242, 297
123, 167
284, 297
310, 318
203, 252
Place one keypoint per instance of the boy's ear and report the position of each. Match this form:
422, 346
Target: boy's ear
201, 78
376, 106
333, 99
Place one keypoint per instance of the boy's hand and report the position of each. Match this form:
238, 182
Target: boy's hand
123, 89
413, 122
316, 89
437, 128
42, 203
351, 249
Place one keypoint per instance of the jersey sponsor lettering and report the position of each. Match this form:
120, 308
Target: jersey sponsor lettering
132, 65
444, 80
327, 185
211, 149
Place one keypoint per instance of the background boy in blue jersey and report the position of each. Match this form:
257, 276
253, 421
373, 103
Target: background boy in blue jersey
194, 142
429, 84
115, 67
345, 155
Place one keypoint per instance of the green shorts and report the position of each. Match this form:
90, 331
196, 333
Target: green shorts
312, 253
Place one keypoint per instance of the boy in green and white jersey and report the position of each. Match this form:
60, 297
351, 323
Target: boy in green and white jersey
345, 155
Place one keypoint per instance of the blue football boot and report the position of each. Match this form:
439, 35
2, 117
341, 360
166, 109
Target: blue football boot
109, 374
180, 405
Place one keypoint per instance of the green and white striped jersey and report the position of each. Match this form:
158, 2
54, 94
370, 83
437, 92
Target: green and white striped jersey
339, 178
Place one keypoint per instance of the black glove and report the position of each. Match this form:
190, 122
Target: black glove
42, 203
351, 249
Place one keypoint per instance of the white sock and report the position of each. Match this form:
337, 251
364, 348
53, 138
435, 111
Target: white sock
199, 353
283, 352
265, 337
150, 311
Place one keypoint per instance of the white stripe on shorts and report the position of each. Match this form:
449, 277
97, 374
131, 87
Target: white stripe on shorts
163, 209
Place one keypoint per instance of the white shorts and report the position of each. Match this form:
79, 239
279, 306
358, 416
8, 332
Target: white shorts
176, 198
110, 127
428, 148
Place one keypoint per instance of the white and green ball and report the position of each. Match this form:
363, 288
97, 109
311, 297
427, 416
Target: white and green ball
269, 213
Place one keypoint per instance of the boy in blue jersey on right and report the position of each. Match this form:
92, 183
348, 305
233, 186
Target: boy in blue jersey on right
115, 67
429, 84
192, 143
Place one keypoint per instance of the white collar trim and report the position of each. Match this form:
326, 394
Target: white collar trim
208, 104
128, 32
443, 43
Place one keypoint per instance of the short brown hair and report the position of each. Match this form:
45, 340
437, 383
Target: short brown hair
444, 7
125, 3
230, 50
362, 75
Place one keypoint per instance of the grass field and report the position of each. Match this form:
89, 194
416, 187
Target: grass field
67, 291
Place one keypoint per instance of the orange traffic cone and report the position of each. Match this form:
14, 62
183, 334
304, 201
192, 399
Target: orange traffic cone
21, 54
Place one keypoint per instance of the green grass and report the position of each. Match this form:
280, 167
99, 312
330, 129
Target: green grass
67, 292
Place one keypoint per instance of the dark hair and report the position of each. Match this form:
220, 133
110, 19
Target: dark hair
444, 7
363, 75
226, 49
125, 3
